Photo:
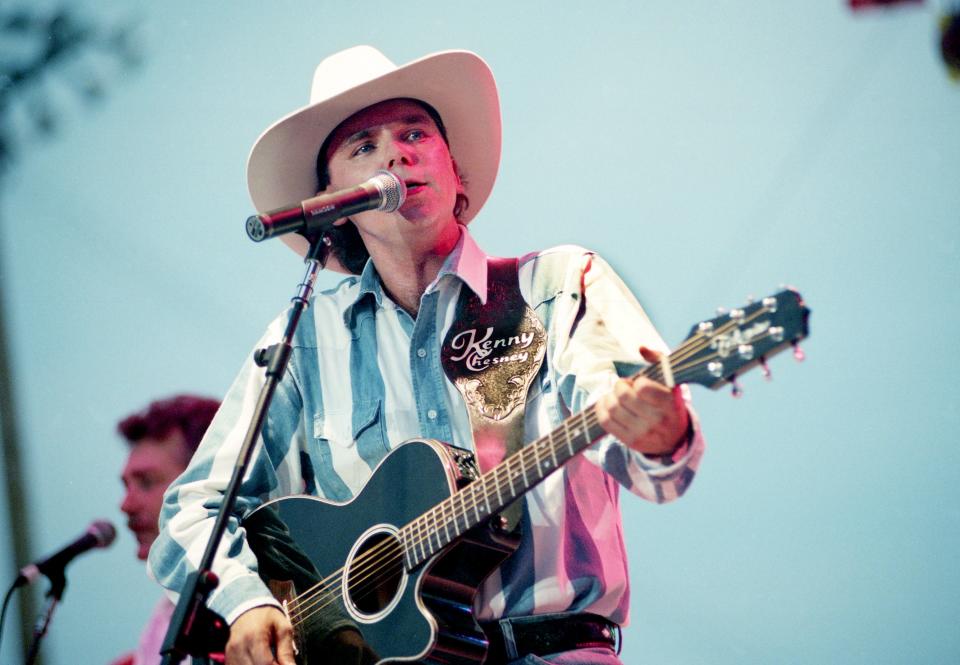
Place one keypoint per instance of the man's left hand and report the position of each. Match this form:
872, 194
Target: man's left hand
645, 415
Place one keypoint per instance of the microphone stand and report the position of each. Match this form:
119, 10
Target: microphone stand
194, 629
58, 584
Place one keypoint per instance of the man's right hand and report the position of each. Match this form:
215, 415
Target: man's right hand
261, 636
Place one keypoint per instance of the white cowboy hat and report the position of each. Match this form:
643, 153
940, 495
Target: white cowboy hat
281, 169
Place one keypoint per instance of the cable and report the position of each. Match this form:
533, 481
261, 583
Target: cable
3, 612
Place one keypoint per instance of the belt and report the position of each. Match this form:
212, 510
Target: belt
543, 635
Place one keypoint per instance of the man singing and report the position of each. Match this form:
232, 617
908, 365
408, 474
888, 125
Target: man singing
380, 359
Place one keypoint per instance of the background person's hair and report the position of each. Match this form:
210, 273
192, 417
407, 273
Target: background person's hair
190, 414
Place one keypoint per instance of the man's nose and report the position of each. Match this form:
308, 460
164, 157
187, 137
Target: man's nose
400, 152
128, 505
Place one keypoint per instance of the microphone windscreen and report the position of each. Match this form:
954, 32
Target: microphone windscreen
391, 188
104, 532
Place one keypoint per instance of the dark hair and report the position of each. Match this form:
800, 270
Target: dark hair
188, 413
344, 240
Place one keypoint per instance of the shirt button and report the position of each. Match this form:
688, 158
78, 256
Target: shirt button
432, 414
422, 353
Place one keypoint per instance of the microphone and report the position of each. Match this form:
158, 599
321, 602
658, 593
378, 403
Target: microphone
100, 533
384, 191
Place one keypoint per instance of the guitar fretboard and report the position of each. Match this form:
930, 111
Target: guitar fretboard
496, 489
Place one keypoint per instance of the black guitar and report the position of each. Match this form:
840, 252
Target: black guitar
404, 558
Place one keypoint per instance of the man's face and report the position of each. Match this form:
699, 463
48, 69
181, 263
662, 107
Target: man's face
397, 135
151, 466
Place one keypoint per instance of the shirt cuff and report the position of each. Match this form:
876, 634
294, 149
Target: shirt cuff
242, 594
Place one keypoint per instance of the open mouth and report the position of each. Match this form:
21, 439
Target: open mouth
414, 186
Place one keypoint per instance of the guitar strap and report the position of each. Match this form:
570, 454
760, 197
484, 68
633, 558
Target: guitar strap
492, 353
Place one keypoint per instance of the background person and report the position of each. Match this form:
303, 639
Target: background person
161, 438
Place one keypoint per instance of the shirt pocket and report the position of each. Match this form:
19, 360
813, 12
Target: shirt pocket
360, 432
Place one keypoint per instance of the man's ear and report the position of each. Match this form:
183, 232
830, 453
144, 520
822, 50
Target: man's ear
456, 172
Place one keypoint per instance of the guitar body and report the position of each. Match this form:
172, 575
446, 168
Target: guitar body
329, 561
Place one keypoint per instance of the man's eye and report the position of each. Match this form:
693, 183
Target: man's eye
415, 135
147, 484
363, 148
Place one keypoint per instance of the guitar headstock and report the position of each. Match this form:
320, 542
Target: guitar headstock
719, 349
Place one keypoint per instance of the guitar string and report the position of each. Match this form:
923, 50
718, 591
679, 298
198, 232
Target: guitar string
360, 580
360, 584
469, 497
298, 608
446, 512
442, 514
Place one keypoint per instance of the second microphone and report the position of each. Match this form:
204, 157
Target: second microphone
384, 191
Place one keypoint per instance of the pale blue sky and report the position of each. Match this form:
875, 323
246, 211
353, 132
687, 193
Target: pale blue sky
709, 151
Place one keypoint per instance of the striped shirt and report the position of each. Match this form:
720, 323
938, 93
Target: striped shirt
364, 376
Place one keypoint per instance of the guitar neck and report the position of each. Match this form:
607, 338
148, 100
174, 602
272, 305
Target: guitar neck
496, 489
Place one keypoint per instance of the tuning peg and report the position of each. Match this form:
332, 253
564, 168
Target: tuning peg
798, 353
721, 311
735, 390
765, 369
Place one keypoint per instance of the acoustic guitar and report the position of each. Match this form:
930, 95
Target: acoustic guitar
404, 558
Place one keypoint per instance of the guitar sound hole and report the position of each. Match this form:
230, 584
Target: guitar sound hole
375, 573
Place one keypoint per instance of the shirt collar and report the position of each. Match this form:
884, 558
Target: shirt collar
369, 284
466, 262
